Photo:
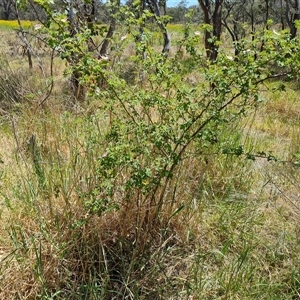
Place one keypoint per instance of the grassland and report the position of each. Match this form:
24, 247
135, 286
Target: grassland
233, 232
13, 24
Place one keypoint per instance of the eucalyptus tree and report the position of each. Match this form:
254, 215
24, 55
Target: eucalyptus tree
114, 5
7, 8
292, 14
233, 20
146, 10
155, 7
212, 12
178, 13
239, 15
279, 13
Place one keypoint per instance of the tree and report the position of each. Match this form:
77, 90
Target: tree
7, 8
178, 13
112, 26
154, 6
279, 13
234, 17
142, 8
292, 13
212, 12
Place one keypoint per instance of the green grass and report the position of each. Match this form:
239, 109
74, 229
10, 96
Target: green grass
13, 24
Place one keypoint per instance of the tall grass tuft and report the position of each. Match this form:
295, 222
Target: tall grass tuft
12, 85
64, 251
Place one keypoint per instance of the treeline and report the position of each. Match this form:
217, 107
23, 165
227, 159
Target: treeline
31, 10
76, 23
283, 12
231, 14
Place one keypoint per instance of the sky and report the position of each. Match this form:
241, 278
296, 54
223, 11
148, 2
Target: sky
174, 3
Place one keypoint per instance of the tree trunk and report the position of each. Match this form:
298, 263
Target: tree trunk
112, 27
217, 27
29, 58
167, 39
292, 17
104, 48
282, 16
215, 20
77, 88
207, 35
267, 13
